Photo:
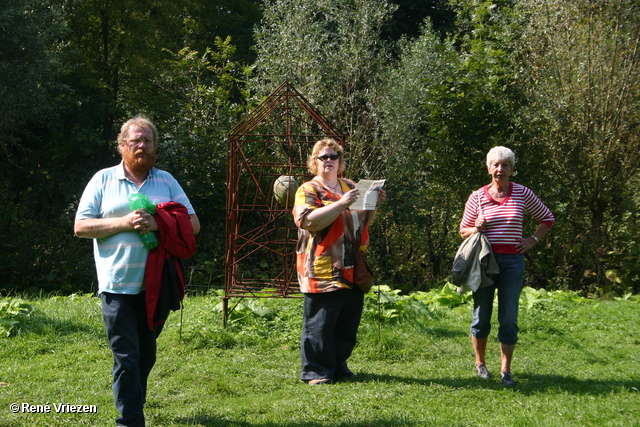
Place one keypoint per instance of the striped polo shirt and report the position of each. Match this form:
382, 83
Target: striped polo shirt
121, 258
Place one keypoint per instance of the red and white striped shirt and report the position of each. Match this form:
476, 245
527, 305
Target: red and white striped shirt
504, 219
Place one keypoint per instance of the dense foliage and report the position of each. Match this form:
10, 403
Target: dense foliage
421, 89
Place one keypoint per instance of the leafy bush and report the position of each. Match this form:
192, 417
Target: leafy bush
383, 304
13, 312
389, 304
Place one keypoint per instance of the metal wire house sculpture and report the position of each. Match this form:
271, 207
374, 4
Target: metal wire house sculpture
274, 140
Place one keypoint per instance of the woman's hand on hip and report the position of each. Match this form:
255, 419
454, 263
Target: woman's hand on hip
524, 245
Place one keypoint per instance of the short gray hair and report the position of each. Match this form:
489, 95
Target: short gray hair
501, 153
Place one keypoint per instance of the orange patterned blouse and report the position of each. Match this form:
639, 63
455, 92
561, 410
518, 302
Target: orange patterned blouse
325, 258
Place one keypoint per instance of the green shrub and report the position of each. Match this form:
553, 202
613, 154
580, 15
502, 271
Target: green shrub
13, 313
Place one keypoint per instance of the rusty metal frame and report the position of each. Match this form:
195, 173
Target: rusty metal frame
275, 139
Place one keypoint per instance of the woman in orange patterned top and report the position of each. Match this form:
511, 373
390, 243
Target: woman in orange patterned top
325, 257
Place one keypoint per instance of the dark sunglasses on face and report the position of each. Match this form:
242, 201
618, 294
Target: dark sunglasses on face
327, 157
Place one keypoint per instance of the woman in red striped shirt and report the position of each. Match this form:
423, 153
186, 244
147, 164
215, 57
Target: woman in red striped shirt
500, 217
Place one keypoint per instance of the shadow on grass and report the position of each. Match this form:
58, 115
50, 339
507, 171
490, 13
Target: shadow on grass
527, 384
40, 324
438, 332
427, 331
204, 420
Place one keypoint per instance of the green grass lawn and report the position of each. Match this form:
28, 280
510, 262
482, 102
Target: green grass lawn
577, 363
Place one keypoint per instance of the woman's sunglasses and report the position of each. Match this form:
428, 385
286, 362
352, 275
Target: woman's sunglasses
327, 157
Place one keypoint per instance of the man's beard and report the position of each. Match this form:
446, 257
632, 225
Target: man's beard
139, 162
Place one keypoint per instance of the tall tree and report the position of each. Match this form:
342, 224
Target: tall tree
416, 216
448, 102
72, 70
330, 50
26, 70
209, 94
408, 18
582, 72
204, 21
28, 89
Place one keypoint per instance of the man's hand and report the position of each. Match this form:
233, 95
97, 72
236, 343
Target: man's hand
142, 221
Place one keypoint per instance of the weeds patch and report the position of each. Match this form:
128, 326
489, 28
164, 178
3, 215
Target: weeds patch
14, 312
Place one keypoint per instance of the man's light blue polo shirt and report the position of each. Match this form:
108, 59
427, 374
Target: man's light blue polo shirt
121, 258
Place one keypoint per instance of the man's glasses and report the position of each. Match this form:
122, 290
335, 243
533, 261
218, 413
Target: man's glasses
138, 141
326, 157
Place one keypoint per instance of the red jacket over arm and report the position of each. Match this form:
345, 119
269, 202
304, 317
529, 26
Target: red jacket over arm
175, 238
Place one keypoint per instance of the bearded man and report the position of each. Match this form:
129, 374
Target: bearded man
122, 261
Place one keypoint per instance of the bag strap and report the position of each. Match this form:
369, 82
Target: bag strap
479, 203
